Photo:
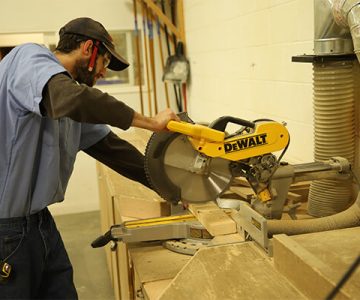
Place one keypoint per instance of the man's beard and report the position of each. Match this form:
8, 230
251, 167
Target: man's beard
83, 75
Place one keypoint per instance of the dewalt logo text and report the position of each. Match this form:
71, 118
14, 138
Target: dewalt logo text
245, 143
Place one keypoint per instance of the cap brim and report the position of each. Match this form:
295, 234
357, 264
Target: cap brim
117, 62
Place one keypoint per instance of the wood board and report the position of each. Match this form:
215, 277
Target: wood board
315, 262
238, 271
214, 219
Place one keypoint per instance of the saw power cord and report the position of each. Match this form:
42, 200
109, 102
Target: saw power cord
344, 279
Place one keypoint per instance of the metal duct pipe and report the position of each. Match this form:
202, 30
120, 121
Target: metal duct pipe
330, 37
347, 14
345, 219
354, 24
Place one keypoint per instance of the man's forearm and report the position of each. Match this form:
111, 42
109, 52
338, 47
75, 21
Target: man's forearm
156, 123
144, 122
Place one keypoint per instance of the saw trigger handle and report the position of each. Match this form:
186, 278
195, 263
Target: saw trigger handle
221, 123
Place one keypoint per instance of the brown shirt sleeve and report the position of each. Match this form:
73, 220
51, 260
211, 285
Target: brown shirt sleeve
64, 97
120, 156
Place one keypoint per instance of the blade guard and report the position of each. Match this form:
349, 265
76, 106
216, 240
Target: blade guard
154, 165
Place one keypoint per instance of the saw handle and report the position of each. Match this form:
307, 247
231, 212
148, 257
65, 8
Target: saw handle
102, 240
221, 123
196, 131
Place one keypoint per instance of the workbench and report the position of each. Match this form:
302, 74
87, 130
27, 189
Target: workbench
302, 267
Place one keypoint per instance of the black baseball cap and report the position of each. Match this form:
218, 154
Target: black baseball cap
95, 30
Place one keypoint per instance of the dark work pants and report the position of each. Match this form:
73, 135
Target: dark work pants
41, 268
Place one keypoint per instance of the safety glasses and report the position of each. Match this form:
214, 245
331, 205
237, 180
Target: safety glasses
106, 59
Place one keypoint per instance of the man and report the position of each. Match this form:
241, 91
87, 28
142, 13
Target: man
49, 111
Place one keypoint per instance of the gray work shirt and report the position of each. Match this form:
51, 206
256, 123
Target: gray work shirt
37, 153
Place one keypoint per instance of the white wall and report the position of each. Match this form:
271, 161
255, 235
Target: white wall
44, 15
240, 53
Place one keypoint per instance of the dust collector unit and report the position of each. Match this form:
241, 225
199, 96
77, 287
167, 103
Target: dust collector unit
336, 40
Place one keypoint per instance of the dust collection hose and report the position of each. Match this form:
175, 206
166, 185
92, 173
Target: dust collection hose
345, 219
334, 133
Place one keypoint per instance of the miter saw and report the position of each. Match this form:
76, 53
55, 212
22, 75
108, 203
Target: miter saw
195, 163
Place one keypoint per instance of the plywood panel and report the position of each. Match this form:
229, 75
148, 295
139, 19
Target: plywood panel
315, 262
154, 263
238, 271
153, 290
106, 213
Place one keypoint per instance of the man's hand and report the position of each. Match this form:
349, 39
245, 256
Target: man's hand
157, 123
163, 117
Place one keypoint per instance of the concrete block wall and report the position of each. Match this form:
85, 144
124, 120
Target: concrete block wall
240, 54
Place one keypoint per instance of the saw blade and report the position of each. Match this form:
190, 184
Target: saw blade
177, 171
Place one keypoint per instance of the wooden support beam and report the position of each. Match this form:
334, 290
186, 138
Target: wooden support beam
162, 27
180, 21
163, 18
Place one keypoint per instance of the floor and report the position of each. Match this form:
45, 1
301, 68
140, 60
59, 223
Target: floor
91, 275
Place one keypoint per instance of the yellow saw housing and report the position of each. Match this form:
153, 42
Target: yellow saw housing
266, 137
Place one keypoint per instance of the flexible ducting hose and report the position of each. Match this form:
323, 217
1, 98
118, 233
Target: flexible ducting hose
334, 104
346, 219
334, 133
